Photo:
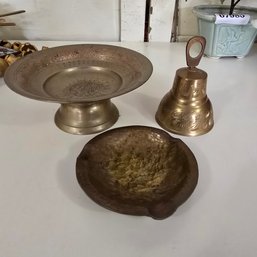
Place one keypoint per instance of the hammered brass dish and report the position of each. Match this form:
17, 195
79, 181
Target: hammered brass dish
83, 78
137, 170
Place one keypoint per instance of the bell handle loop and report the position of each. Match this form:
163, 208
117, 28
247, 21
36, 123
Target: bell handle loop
194, 61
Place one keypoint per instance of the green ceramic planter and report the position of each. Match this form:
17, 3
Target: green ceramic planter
225, 40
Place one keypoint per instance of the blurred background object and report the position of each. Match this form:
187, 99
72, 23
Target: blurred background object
10, 52
103, 20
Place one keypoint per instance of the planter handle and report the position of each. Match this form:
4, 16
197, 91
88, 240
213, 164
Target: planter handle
194, 61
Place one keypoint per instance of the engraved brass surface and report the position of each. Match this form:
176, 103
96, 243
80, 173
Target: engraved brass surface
82, 78
137, 170
186, 109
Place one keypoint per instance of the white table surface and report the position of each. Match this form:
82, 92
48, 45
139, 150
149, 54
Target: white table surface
44, 213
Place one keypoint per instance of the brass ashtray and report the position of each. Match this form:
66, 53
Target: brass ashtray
83, 78
137, 170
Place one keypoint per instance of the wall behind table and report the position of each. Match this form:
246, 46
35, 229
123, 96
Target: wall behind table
91, 20
98, 20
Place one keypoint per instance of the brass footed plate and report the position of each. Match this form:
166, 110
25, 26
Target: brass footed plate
83, 78
137, 170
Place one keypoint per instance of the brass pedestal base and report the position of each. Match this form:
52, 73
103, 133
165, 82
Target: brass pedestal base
86, 118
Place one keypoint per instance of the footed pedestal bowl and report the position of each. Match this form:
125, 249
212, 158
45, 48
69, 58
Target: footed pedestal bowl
82, 78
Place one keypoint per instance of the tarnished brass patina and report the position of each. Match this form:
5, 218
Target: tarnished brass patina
186, 109
82, 78
137, 170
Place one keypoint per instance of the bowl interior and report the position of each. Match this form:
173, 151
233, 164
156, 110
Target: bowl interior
136, 166
78, 73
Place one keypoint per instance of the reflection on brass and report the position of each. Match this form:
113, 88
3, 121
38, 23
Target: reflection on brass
86, 118
137, 170
82, 78
186, 109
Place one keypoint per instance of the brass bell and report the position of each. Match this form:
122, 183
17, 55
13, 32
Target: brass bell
186, 109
